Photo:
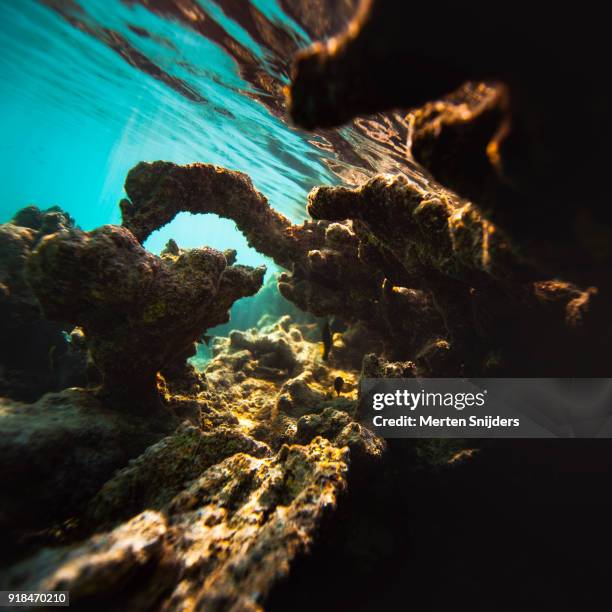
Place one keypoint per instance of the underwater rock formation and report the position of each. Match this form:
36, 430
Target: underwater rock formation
507, 145
332, 271
499, 316
140, 313
159, 191
35, 355
214, 514
63, 447
421, 270
165, 469
273, 375
489, 127
207, 499
219, 544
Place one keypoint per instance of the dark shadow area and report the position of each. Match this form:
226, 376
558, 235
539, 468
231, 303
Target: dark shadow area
524, 525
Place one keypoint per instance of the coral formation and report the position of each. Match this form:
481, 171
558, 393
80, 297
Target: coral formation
153, 478
140, 313
482, 252
159, 191
214, 513
273, 375
476, 282
330, 270
418, 268
209, 513
219, 544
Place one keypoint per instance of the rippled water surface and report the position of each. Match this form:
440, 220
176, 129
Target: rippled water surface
89, 88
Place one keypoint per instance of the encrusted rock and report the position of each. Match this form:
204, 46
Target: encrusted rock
227, 539
462, 265
35, 356
164, 469
324, 264
501, 141
342, 430
423, 229
140, 313
333, 271
129, 567
59, 451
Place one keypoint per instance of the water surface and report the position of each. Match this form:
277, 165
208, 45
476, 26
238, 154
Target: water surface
89, 88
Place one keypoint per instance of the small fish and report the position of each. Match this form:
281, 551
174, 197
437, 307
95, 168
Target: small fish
338, 384
326, 338
206, 339
386, 287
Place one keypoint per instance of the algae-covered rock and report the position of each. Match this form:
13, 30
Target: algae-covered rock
488, 117
35, 356
323, 263
43, 222
331, 269
221, 543
464, 270
140, 313
209, 516
164, 469
57, 453
270, 376
128, 568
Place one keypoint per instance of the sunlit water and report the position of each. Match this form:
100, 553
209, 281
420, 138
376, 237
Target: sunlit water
88, 88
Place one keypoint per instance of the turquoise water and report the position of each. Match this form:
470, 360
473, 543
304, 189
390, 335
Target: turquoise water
88, 90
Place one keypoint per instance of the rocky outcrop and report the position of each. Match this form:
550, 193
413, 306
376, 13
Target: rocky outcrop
502, 239
477, 282
331, 270
422, 271
140, 313
35, 355
219, 544
159, 191
502, 142
271, 376
59, 451
210, 515
165, 469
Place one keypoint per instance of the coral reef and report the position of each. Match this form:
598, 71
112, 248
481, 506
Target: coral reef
172, 488
491, 253
140, 313
273, 375
417, 268
35, 355
159, 191
154, 478
214, 511
219, 544
332, 271
476, 281
207, 512
213, 514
